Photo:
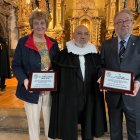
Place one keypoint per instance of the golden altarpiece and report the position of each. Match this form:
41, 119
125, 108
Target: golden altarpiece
65, 15
112, 6
83, 12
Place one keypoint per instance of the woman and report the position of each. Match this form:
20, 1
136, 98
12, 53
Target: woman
34, 52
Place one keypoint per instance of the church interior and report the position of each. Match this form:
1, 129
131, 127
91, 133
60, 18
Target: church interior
64, 15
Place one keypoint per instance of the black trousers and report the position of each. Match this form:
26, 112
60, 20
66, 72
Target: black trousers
116, 119
138, 136
2, 81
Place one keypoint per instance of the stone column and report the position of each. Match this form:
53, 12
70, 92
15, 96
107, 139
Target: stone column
58, 25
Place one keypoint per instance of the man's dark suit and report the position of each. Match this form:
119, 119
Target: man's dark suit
130, 62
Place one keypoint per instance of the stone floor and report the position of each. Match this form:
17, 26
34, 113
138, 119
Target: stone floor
17, 136
13, 126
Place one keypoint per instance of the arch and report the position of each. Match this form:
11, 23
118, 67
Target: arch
86, 22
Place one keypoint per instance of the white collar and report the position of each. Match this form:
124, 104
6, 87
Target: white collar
126, 39
90, 48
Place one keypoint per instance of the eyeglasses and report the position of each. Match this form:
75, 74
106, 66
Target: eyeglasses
121, 22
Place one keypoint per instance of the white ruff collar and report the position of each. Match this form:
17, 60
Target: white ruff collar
89, 48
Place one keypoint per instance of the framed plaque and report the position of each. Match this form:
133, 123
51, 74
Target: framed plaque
43, 81
118, 81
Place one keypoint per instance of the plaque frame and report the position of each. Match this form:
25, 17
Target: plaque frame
123, 91
42, 89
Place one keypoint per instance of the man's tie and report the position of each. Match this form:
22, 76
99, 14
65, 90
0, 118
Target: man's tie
122, 50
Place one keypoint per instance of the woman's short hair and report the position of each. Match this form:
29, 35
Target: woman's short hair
38, 14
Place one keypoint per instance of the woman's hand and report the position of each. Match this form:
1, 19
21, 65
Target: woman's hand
26, 82
46, 69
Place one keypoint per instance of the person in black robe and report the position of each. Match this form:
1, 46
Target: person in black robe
78, 99
4, 63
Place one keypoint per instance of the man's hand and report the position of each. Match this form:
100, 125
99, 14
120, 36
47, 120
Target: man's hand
136, 89
99, 80
102, 90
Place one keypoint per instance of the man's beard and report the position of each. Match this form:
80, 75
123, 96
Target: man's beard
80, 45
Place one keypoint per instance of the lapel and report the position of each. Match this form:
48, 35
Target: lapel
130, 47
115, 50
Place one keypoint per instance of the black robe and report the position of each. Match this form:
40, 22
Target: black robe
71, 86
4, 60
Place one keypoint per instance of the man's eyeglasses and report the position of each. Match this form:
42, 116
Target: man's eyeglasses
121, 22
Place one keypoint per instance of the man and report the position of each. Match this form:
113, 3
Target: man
125, 56
78, 99
4, 63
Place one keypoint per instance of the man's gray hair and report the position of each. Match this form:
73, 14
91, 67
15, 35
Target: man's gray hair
127, 11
